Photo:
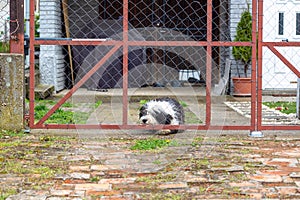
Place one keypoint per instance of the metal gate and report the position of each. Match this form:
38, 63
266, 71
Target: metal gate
118, 54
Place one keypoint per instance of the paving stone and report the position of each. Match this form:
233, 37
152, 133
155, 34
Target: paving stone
117, 180
79, 168
103, 167
283, 162
60, 192
243, 184
295, 175
287, 179
77, 194
276, 168
228, 169
266, 178
94, 187
276, 172
30, 195
287, 190
116, 197
78, 158
256, 195
195, 180
102, 193
292, 153
65, 187
173, 185
76, 175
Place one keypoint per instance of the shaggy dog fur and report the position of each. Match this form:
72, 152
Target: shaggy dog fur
162, 111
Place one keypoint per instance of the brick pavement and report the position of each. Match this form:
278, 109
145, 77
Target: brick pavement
198, 166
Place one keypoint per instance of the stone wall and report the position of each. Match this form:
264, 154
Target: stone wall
11, 91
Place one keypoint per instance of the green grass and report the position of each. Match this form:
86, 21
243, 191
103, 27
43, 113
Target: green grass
283, 106
4, 47
5, 194
151, 144
62, 115
9, 133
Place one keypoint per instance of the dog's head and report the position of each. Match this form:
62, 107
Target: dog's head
154, 115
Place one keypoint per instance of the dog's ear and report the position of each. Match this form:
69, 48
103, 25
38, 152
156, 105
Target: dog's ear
168, 119
143, 111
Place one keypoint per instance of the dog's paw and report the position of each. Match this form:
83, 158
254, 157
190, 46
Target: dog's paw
164, 132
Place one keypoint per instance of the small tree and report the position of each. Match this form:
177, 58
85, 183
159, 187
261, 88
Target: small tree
243, 34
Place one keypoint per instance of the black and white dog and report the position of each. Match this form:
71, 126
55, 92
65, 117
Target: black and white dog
162, 111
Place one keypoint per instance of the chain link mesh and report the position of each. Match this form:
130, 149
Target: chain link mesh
167, 68
4, 26
281, 24
164, 55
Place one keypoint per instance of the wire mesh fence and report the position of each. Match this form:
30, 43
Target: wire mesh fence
4, 26
105, 59
280, 71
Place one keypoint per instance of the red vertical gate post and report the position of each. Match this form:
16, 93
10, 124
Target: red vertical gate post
31, 62
125, 62
208, 63
259, 67
253, 68
16, 40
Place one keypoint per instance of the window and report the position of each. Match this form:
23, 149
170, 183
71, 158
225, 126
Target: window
297, 23
280, 23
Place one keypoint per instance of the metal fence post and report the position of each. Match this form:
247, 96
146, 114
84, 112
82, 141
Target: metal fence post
298, 100
16, 26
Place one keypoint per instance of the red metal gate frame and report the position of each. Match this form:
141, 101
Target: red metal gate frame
255, 123
271, 46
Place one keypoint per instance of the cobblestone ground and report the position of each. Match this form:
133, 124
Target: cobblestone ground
49, 167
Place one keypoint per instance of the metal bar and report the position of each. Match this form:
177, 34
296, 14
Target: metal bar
125, 62
16, 41
253, 68
76, 42
80, 83
280, 127
259, 67
31, 63
282, 44
284, 60
137, 43
208, 63
136, 127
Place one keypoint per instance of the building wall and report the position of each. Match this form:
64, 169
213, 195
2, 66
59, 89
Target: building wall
52, 66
